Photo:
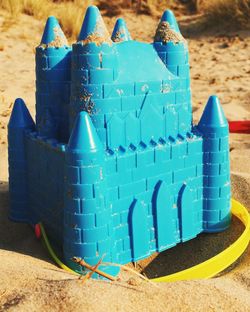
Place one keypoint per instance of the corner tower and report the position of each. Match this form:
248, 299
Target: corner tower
216, 167
20, 122
87, 217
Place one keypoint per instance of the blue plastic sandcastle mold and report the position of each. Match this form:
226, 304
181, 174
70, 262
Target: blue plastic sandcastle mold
114, 167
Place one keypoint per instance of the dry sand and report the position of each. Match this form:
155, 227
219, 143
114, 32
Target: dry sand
29, 281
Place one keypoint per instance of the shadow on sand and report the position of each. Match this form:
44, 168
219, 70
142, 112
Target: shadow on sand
191, 253
17, 237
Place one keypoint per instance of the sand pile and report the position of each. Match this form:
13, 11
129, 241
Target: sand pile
31, 282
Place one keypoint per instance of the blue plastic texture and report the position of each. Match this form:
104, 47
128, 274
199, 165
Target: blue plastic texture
115, 168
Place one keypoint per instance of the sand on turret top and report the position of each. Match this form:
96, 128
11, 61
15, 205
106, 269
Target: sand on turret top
59, 41
117, 37
164, 33
99, 36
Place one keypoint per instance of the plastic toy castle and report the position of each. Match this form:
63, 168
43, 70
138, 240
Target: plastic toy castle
113, 166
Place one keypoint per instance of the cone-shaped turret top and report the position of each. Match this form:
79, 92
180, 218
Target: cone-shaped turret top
20, 116
53, 35
168, 16
93, 28
213, 115
84, 138
120, 32
168, 29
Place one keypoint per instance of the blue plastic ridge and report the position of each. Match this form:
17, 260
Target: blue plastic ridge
120, 32
20, 116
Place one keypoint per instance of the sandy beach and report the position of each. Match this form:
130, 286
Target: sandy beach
30, 281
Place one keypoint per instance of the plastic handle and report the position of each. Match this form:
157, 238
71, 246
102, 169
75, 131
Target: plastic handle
52, 253
242, 126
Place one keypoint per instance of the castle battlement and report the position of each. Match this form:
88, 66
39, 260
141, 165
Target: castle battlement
114, 166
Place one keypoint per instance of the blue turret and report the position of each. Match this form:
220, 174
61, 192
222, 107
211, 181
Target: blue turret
120, 32
216, 169
53, 34
93, 27
87, 218
213, 119
53, 82
20, 122
135, 176
171, 46
173, 50
93, 64
168, 17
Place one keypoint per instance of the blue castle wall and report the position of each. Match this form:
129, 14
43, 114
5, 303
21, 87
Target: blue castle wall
114, 166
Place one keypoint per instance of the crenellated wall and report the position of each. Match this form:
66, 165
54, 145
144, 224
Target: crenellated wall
122, 109
45, 178
145, 190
